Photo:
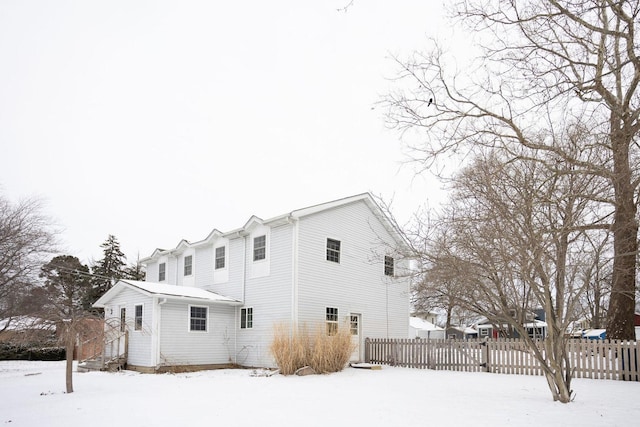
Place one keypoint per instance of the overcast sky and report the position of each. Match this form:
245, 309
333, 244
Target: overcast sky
161, 120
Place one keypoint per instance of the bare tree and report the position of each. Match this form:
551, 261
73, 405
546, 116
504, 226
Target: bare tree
26, 238
514, 238
543, 67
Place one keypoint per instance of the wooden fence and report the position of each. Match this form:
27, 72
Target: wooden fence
597, 359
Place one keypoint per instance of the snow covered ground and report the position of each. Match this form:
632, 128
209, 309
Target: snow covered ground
32, 394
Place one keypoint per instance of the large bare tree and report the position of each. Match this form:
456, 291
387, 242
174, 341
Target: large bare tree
26, 238
516, 237
542, 67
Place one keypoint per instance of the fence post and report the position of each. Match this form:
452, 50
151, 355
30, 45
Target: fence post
484, 359
367, 356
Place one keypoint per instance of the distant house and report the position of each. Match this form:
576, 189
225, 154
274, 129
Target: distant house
420, 328
535, 326
217, 301
461, 332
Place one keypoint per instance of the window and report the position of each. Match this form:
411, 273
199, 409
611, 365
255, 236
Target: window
354, 324
198, 318
162, 271
259, 248
220, 257
332, 320
388, 266
246, 318
123, 319
138, 318
333, 250
188, 265
484, 332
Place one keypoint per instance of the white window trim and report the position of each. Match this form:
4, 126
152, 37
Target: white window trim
226, 257
165, 271
135, 318
334, 323
206, 324
246, 327
267, 243
340, 253
184, 265
393, 266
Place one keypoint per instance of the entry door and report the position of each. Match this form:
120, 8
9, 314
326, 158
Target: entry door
355, 325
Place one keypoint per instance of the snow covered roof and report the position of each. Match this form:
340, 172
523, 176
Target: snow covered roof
283, 219
594, 333
418, 323
166, 291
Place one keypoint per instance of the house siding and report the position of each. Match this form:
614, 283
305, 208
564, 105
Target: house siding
282, 292
270, 298
140, 351
179, 346
357, 284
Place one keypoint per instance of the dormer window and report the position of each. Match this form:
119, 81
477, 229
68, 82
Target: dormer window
259, 248
188, 265
162, 271
220, 257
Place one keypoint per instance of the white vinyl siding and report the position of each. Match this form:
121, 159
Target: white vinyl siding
179, 347
356, 285
139, 351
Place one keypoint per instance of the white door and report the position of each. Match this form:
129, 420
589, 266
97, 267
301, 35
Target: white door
355, 326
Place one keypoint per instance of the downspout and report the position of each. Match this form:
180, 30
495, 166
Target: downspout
158, 328
243, 290
294, 272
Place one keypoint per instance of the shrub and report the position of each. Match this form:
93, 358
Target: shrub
294, 349
18, 352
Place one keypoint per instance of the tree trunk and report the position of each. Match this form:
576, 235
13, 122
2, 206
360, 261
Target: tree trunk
625, 247
70, 344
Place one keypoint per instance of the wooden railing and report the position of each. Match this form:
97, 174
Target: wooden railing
598, 359
109, 349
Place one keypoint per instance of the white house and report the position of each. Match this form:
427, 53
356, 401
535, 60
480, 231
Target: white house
421, 328
217, 301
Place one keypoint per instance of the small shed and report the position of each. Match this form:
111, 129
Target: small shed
420, 328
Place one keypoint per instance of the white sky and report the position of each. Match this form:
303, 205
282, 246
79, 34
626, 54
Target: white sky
161, 120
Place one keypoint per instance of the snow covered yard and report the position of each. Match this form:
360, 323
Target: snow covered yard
31, 394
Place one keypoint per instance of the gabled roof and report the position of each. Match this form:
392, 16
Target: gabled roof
418, 323
185, 293
283, 219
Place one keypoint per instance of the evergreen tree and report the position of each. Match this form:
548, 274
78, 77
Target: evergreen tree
135, 271
106, 271
66, 283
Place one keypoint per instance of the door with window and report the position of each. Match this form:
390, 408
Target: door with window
355, 326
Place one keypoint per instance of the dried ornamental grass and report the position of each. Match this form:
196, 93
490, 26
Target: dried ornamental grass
324, 353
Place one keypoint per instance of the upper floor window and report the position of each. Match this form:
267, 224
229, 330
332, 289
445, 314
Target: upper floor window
138, 318
259, 248
197, 318
188, 265
332, 320
246, 318
162, 271
333, 250
220, 257
388, 266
